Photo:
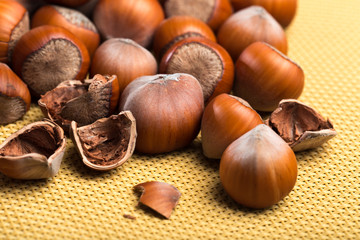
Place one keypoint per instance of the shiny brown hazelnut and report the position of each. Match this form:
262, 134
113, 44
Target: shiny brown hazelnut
81, 102
176, 28
207, 61
134, 19
167, 109
300, 125
71, 19
48, 55
123, 58
15, 97
252, 24
14, 22
31, 5
265, 76
225, 119
282, 10
212, 12
258, 169
107, 143
33, 152
68, 3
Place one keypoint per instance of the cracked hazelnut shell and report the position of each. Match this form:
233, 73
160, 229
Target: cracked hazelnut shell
206, 60
212, 12
176, 28
167, 109
14, 20
107, 143
33, 152
82, 102
159, 196
249, 25
258, 169
225, 119
48, 55
15, 96
282, 10
71, 19
136, 20
300, 125
265, 76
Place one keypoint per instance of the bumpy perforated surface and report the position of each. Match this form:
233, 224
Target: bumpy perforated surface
325, 203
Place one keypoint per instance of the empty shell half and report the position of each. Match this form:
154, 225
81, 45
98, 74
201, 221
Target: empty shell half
300, 125
107, 143
33, 152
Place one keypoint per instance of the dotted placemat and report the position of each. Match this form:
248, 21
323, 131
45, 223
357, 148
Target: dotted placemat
80, 203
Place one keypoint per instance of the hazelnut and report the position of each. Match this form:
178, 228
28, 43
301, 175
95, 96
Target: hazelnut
265, 76
212, 12
134, 19
124, 58
258, 169
282, 10
14, 20
48, 55
71, 19
167, 109
15, 97
207, 61
249, 25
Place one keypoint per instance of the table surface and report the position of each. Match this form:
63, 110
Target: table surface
324, 39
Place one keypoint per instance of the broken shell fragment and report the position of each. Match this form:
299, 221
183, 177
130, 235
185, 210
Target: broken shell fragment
33, 152
107, 143
159, 196
84, 103
300, 125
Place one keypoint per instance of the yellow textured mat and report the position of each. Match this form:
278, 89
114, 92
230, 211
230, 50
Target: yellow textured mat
80, 203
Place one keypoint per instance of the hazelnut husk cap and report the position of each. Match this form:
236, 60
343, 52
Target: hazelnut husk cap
34, 152
300, 125
107, 143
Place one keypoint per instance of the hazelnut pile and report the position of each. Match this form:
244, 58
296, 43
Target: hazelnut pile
149, 76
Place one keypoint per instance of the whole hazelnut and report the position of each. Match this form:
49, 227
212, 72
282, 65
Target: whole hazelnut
212, 12
167, 109
14, 22
265, 76
71, 19
282, 10
134, 19
48, 55
251, 25
14, 96
124, 58
206, 60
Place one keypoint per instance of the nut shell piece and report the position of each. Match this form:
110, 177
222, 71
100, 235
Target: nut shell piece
300, 125
159, 196
82, 102
33, 152
107, 143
